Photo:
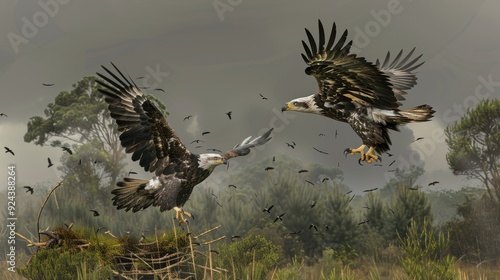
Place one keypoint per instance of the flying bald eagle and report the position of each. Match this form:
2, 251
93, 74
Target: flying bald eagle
146, 134
365, 95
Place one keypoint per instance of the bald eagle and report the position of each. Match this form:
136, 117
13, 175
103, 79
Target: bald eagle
145, 133
365, 95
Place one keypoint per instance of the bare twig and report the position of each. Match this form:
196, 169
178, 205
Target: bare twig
43, 205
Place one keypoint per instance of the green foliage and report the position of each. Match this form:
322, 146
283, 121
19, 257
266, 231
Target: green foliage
81, 252
408, 206
292, 271
290, 246
53, 264
402, 177
425, 253
474, 146
251, 257
476, 237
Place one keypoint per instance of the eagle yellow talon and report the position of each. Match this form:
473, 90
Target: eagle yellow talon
360, 149
370, 156
179, 215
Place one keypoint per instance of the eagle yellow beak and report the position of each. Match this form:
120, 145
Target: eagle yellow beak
285, 107
289, 107
223, 161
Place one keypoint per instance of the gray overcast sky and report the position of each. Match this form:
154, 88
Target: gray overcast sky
219, 55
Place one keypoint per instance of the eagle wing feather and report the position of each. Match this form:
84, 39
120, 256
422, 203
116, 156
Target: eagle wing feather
400, 73
145, 132
344, 77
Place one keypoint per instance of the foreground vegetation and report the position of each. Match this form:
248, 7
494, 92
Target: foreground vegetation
317, 229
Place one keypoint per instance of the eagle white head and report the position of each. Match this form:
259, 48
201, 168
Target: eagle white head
305, 104
209, 161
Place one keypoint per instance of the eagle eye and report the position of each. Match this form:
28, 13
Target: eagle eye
295, 103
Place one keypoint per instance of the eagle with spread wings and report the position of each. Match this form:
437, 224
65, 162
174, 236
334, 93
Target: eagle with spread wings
367, 96
146, 134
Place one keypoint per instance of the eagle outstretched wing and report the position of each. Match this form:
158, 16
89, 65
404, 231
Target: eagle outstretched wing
144, 130
344, 77
243, 148
399, 72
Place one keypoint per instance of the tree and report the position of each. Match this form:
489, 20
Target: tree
408, 206
476, 236
80, 119
402, 178
474, 146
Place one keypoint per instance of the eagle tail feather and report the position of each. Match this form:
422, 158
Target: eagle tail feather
131, 194
420, 113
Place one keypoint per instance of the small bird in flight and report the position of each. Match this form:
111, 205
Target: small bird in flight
279, 217
48, 85
196, 141
50, 162
188, 117
95, 212
321, 134
419, 138
290, 145
321, 152
371, 190
313, 226
269, 168
268, 209
214, 150
303, 171
235, 237
67, 150
205, 132
3, 115
325, 179
159, 89
28, 189
229, 114
392, 162
433, 183
262, 96
309, 182
231, 186
8, 150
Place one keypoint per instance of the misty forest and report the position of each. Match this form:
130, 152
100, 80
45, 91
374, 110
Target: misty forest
277, 218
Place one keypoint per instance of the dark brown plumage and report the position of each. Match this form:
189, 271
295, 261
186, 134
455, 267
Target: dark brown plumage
146, 134
365, 95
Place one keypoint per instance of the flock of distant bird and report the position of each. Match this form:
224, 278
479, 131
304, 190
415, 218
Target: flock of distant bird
368, 99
